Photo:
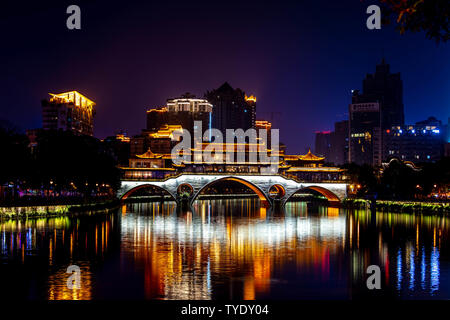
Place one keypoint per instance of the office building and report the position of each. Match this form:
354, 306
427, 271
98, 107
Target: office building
333, 145
365, 139
386, 89
422, 142
69, 111
232, 109
182, 111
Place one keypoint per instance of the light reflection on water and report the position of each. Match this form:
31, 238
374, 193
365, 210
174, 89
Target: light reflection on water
225, 249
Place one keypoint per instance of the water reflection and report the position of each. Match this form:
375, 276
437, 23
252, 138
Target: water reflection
226, 249
37, 253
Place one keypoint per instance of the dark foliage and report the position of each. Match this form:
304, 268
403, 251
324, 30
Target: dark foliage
61, 162
430, 16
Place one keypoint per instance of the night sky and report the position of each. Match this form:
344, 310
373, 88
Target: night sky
300, 58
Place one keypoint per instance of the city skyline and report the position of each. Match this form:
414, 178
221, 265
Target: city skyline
298, 68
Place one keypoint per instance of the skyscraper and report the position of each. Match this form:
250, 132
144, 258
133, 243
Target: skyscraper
251, 103
378, 108
365, 133
386, 89
323, 144
231, 108
69, 111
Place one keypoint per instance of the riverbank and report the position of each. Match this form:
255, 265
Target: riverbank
56, 210
401, 206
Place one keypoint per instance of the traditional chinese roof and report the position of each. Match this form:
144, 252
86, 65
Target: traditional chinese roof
307, 157
166, 131
311, 157
149, 155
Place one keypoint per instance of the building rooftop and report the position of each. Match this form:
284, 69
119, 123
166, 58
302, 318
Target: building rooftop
73, 97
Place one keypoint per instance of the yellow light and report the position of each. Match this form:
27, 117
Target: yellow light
74, 97
252, 98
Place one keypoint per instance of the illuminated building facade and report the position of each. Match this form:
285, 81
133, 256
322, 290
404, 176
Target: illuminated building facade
160, 141
69, 111
308, 167
182, 111
264, 125
232, 108
422, 142
251, 103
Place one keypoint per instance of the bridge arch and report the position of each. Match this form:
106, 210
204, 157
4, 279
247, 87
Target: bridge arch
331, 196
185, 187
261, 195
143, 186
277, 191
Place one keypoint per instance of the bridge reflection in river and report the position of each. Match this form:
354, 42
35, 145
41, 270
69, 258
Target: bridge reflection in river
226, 249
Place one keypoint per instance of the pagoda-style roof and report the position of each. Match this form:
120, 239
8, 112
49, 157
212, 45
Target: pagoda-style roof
306, 157
311, 157
149, 155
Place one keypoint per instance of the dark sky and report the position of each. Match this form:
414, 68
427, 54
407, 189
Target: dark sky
299, 58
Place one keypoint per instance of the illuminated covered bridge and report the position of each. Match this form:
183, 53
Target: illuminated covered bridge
267, 187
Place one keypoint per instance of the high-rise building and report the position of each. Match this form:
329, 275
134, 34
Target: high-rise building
69, 111
156, 118
422, 142
232, 108
182, 111
378, 108
333, 145
251, 102
365, 144
386, 89
323, 144
339, 143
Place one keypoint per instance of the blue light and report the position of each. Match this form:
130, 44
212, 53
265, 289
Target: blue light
436, 131
412, 270
400, 131
413, 131
435, 270
399, 269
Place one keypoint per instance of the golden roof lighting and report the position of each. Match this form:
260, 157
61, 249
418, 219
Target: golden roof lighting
73, 97
166, 132
252, 98
263, 124
163, 109
310, 156
122, 137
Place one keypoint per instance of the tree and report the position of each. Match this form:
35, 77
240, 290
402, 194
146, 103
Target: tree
430, 16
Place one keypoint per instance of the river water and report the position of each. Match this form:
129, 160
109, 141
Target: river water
226, 249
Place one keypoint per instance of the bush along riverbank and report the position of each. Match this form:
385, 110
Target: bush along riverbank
401, 206
57, 210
